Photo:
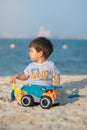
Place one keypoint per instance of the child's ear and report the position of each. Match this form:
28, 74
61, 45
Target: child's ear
41, 53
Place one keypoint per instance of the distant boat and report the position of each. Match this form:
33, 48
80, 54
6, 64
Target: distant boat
64, 46
12, 45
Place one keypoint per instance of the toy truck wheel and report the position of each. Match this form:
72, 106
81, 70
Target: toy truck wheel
27, 100
45, 102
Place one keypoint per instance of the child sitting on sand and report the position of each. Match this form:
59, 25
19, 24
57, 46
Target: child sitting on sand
40, 71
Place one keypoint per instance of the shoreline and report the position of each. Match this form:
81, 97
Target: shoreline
71, 113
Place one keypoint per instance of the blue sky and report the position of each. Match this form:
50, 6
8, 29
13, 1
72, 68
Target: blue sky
51, 18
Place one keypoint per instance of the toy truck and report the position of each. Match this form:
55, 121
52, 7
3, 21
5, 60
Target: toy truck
45, 95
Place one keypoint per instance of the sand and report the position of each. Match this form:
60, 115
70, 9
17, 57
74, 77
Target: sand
70, 114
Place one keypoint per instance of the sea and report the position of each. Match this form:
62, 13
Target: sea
69, 56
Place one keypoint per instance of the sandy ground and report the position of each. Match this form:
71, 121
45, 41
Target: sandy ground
70, 114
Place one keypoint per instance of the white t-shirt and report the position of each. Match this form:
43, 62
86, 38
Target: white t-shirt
41, 74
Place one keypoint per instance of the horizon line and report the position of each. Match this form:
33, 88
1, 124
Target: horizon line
76, 38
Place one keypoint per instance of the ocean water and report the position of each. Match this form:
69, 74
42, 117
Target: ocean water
70, 56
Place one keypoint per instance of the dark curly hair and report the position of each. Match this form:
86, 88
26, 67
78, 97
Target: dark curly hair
42, 44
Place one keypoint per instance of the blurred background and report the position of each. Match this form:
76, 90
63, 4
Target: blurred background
64, 22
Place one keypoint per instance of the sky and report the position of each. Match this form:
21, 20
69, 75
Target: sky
50, 18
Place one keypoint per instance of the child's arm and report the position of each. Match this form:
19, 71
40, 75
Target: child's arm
19, 76
56, 80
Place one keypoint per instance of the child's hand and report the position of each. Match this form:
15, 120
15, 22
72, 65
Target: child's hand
56, 80
13, 79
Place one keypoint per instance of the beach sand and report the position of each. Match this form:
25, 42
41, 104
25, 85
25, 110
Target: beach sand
70, 114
